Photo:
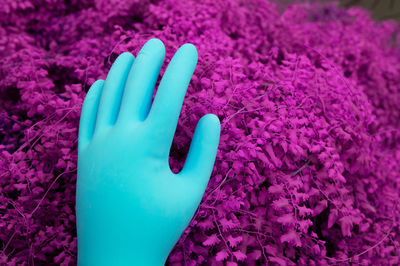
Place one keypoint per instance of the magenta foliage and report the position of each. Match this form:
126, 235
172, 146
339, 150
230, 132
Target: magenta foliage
307, 170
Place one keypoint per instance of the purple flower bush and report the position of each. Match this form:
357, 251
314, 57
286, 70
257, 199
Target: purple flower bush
307, 170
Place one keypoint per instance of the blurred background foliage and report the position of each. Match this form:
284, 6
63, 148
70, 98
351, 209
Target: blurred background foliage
380, 9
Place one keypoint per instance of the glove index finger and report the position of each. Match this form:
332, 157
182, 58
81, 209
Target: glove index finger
164, 113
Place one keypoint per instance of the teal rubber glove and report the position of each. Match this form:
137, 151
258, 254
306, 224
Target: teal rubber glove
131, 209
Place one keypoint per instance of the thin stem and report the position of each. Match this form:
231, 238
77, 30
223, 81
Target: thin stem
219, 230
55, 180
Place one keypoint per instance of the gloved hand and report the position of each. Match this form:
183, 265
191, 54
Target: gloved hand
130, 208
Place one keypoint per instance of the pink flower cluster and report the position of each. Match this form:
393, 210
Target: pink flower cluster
307, 170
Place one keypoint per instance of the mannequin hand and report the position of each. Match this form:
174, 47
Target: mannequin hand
131, 209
